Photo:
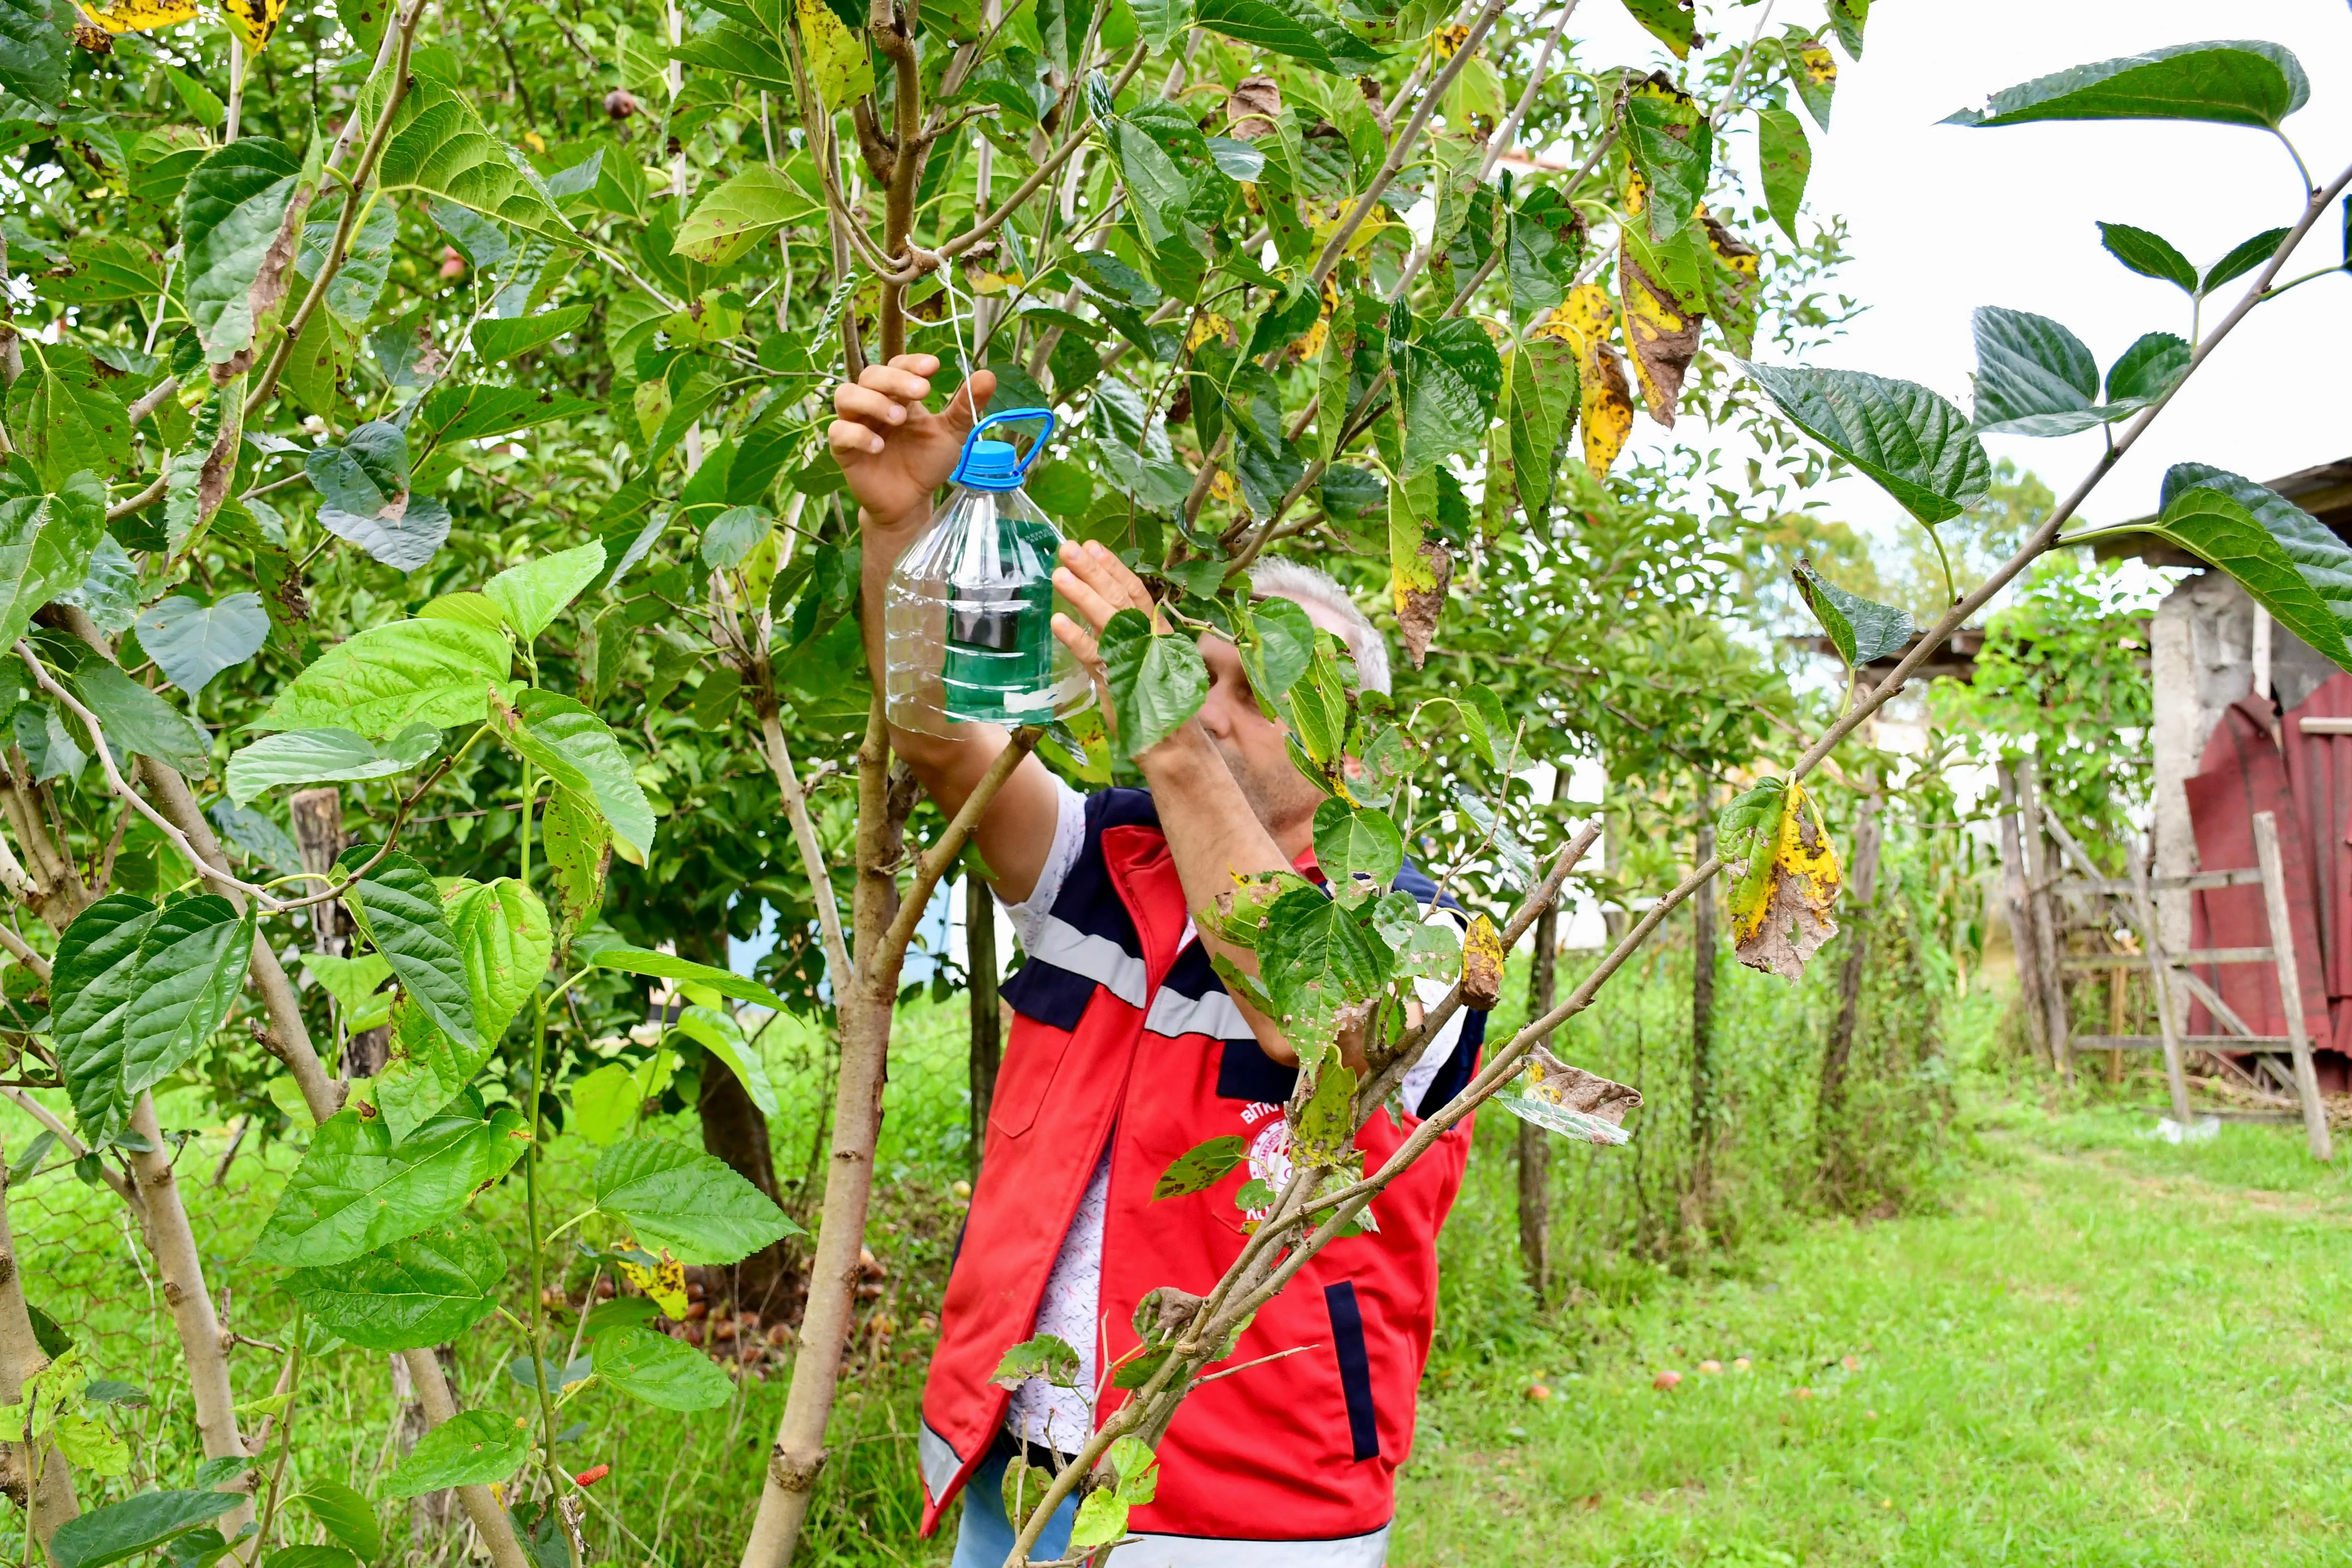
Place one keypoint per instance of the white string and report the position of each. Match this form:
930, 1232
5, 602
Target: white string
956, 319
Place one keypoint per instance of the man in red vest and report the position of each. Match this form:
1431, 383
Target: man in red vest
1126, 1052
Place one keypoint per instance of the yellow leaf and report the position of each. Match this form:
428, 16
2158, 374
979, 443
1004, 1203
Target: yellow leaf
1448, 40
1207, 325
534, 141
1222, 487
1632, 191
1608, 410
1820, 66
664, 1284
1784, 876
253, 20
995, 282
1663, 335
838, 59
1482, 965
1419, 568
139, 15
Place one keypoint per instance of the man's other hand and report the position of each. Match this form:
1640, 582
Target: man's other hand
892, 450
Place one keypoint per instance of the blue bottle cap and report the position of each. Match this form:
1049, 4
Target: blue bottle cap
994, 464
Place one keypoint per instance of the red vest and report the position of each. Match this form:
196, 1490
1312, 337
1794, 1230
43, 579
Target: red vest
1300, 1449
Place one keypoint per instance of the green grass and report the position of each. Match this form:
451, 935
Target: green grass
2105, 1351
2078, 1347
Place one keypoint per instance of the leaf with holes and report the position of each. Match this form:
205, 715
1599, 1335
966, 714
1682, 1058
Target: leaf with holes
1917, 446
356, 1190
685, 1201
2227, 82
424, 1290
659, 1370
191, 967
191, 642
1046, 1357
579, 853
1352, 841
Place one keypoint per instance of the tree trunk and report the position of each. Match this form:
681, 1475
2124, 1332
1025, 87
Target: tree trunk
2022, 940
1535, 1143
1867, 835
37, 1478
735, 1131
987, 1023
1702, 1083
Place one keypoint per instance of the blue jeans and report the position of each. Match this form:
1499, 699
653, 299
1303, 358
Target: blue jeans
986, 1537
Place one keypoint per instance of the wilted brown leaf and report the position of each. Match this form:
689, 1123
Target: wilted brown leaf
1662, 335
1568, 1100
1420, 597
1482, 966
1251, 109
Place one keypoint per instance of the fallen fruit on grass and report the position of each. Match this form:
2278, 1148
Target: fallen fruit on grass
1741, 1365
1710, 1367
1801, 1393
1538, 1393
1851, 1363
1666, 1380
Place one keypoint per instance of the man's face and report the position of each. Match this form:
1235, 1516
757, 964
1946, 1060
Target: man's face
1250, 743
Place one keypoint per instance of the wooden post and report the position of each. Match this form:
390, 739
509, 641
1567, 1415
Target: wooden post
2015, 878
2045, 922
2307, 1078
2159, 983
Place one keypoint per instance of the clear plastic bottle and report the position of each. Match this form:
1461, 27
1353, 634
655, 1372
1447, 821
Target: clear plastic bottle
967, 633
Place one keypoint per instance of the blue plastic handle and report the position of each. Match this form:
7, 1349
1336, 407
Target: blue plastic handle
1021, 469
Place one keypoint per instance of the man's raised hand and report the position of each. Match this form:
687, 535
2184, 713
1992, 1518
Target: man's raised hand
894, 451
1097, 585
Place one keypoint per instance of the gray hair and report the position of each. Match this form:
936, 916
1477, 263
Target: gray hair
1305, 585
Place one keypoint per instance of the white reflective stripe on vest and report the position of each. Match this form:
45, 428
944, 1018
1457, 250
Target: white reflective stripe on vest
1194, 1552
1213, 1015
938, 1461
1099, 958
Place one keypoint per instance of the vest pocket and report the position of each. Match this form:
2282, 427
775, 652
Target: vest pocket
1031, 1058
1355, 1367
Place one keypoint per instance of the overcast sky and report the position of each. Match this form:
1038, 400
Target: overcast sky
1943, 219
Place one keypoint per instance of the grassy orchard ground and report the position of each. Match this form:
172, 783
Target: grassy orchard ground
2071, 1346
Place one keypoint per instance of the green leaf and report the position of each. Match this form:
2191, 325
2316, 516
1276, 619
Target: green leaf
604, 1102
838, 61
669, 967
352, 292
46, 543
67, 416
1672, 23
2227, 82
740, 211
399, 908
1543, 391
191, 642
344, 1514
1325, 1128
2291, 563
1861, 629
2150, 254
91, 984
121, 1531
731, 536
738, 49
1448, 378
1158, 22
136, 720
499, 342
311, 1556
2034, 376
660, 1371
1917, 446
356, 1191
439, 148
231, 211
425, 1071
191, 967
1297, 29
1046, 1357
1352, 841
1667, 137
2243, 258
723, 1038
1199, 1169
1280, 644
1317, 961
36, 44
504, 941
351, 982
454, 412
1157, 683
386, 679
579, 852
682, 1199
1848, 17
580, 752
533, 594
1101, 1520
2144, 372
473, 1447
1786, 160
425, 1290
325, 756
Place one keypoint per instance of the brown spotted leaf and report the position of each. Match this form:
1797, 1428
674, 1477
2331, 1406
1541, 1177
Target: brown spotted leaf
1482, 966
1252, 108
1784, 877
1569, 1100
1661, 332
